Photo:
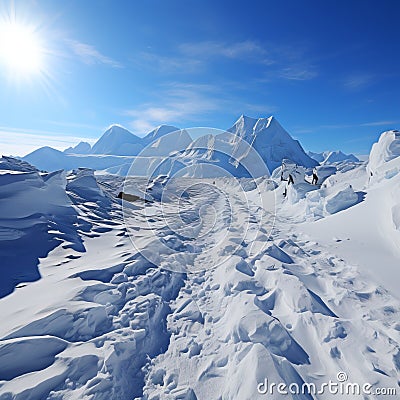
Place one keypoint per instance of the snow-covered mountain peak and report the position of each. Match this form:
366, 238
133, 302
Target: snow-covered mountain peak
117, 130
117, 140
244, 125
158, 132
165, 140
272, 142
338, 156
272, 128
244, 119
80, 148
330, 157
264, 123
247, 128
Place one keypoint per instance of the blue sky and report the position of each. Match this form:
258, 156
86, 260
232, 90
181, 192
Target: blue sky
328, 70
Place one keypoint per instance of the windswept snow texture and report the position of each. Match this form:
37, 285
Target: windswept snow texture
207, 290
118, 147
35, 216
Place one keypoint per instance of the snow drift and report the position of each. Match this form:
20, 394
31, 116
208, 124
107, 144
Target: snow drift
386, 149
33, 207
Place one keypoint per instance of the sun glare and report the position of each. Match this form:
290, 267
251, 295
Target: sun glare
20, 49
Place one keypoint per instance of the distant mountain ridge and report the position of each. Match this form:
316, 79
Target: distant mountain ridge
119, 141
80, 148
329, 157
115, 150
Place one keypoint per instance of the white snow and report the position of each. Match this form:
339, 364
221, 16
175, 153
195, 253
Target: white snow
386, 149
211, 286
341, 200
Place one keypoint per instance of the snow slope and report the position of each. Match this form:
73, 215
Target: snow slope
371, 238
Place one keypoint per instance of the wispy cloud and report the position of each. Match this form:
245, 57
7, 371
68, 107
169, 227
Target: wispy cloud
381, 123
89, 55
299, 73
358, 81
384, 123
177, 102
337, 126
180, 103
361, 124
194, 57
247, 49
168, 64
302, 131
78, 125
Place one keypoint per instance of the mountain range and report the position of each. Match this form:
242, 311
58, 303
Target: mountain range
117, 148
330, 157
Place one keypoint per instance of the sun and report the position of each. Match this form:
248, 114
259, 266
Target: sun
20, 49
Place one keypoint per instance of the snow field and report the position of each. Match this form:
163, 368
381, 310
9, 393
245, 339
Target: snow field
204, 292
